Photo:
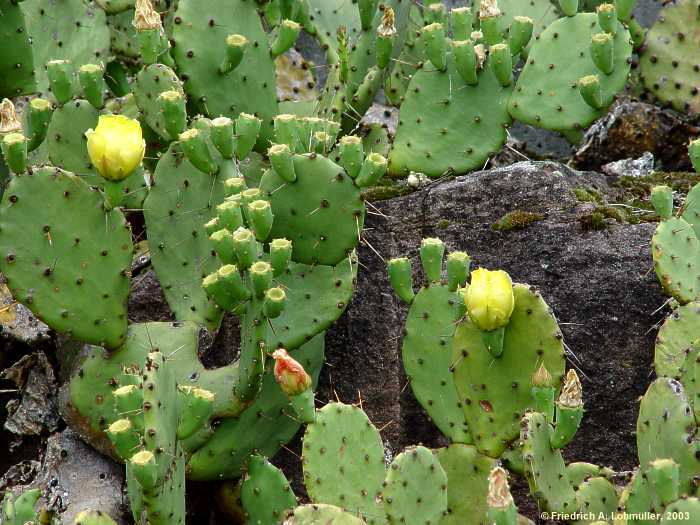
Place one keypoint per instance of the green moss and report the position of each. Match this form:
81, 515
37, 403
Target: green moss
380, 193
587, 195
597, 219
442, 224
516, 220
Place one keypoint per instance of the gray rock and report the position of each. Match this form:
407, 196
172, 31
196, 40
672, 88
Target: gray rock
35, 412
631, 129
74, 477
599, 284
641, 167
17, 322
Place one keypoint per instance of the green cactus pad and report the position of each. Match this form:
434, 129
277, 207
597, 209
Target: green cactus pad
546, 94
415, 490
316, 514
542, 12
467, 484
19, 510
668, 65
226, 452
639, 498
676, 336
412, 53
676, 251
123, 36
427, 357
181, 201
164, 504
448, 125
67, 260
65, 138
151, 82
265, 494
495, 392
545, 468
681, 512
322, 212
17, 54
200, 48
88, 397
690, 212
596, 497
93, 517
317, 296
666, 430
343, 461
580, 471
377, 140
65, 29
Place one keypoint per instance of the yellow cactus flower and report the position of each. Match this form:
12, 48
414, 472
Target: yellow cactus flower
116, 146
490, 299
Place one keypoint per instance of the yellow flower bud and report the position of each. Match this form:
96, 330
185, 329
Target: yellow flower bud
289, 374
116, 146
490, 299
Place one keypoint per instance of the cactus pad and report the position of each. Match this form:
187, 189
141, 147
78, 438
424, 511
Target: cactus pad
690, 212
676, 251
668, 65
546, 94
666, 430
494, 392
427, 356
343, 461
265, 493
181, 201
467, 484
200, 48
65, 29
596, 497
675, 338
448, 125
65, 138
319, 513
17, 55
321, 212
226, 452
93, 517
67, 260
681, 511
415, 490
151, 81
545, 468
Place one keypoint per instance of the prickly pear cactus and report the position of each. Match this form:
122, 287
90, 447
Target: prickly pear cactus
200, 50
93, 517
69, 259
65, 29
666, 428
547, 92
343, 461
676, 251
265, 493
17, 57
321, 513
668, 66
467, 473
493, 390
427, 343
19, 510
415, 489
546, 471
